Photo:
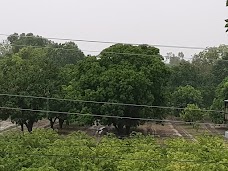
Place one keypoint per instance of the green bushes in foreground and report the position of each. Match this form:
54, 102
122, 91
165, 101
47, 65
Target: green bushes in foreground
45, 150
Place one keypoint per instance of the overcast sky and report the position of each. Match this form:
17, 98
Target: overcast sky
198, 23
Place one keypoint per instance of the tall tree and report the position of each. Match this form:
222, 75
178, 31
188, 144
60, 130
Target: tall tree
218, 103
118, 76
220, 70
28, 72
48, 58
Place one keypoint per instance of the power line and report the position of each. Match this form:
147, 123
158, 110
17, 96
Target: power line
104, 116
109, 103
103, 52
114, 158
91, 51
109, 42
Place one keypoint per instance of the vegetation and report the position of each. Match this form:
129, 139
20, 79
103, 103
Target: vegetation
34, 66
46, 150
192, 113
121, 78
186, 95
31, 65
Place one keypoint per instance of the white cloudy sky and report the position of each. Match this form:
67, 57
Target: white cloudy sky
198, 23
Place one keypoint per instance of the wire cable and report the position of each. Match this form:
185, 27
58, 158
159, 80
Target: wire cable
104, 52
103, 116
108, 42
109, 103
91, 51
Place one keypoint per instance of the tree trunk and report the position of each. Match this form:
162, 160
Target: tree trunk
29, 125
61, 121
67, 122
52, 122
22, 127
119, 129
128, 129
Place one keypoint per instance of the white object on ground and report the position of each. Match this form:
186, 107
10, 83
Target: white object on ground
226, 134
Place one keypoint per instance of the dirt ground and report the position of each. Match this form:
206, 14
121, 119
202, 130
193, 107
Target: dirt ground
161, 131
8, 125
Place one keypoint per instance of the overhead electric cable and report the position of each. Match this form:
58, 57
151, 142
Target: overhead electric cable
103, 116
91, 51
109, 42
109, 103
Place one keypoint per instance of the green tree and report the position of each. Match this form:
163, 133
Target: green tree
20, 41
45, 66
118, 76
66, 53
192, 113
205, 61
204, 73
212, 64
218, 103
28, 72
183, 75
66, 74
220, 70
185, 95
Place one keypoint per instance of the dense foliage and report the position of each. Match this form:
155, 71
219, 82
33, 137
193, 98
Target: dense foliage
192, 113
123, 78
46, 150
32, 70
121, 73
34, 66
197, 82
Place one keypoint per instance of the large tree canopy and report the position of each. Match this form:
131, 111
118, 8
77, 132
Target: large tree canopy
123, 74
207, 69
34, 68
34, 76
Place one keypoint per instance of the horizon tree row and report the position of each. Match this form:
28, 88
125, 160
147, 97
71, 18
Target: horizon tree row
35, 66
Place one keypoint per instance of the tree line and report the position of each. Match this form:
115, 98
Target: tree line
35, 66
